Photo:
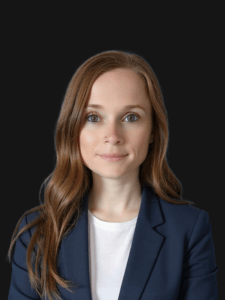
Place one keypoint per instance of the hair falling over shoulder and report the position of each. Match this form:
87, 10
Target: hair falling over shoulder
65, 187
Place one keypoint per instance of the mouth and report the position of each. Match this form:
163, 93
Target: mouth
113, 159
112, 155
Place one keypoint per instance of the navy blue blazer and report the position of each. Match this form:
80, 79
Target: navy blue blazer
172, 256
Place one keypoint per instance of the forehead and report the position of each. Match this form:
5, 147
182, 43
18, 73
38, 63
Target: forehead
119, 82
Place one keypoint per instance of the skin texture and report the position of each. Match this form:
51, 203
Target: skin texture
116, 192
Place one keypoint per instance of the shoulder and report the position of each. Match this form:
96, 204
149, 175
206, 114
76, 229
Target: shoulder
185, 212
183, 219
180, 210
27, 217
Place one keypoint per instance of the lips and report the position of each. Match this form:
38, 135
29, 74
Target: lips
113, 155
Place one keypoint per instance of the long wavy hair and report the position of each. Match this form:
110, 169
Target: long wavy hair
71, 179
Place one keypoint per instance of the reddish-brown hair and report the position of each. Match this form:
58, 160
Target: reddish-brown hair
71, 179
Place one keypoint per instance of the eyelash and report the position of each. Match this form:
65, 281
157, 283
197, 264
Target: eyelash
95, 114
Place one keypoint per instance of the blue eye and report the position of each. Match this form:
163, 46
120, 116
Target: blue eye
91, 115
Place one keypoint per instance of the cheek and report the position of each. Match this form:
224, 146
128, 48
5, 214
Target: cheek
85, 146
141, 139
87, 140
141, 143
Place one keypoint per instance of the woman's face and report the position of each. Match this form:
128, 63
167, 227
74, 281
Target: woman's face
113, 128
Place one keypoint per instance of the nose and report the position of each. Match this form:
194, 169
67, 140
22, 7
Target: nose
112, 134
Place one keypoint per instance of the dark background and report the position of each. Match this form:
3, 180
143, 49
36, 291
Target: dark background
43, 47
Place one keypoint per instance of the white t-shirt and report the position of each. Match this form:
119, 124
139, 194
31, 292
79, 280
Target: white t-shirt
109, 248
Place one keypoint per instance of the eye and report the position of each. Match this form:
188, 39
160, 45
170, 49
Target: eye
136, 115
95, 115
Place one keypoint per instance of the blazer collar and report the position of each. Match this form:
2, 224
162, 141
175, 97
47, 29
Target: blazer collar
144, 250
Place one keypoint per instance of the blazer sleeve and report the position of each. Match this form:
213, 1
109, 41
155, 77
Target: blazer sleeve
199, 281
20, 288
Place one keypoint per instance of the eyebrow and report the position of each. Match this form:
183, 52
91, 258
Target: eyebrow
125, 107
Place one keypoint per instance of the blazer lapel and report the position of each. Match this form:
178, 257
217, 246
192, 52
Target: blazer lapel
144, 251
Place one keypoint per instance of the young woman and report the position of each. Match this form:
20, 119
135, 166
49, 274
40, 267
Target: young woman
112, 224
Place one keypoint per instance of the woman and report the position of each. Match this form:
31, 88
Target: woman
112, 224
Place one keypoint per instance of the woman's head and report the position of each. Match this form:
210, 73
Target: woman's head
113, 79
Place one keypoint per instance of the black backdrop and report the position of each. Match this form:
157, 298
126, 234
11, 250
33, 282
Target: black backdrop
43, 47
